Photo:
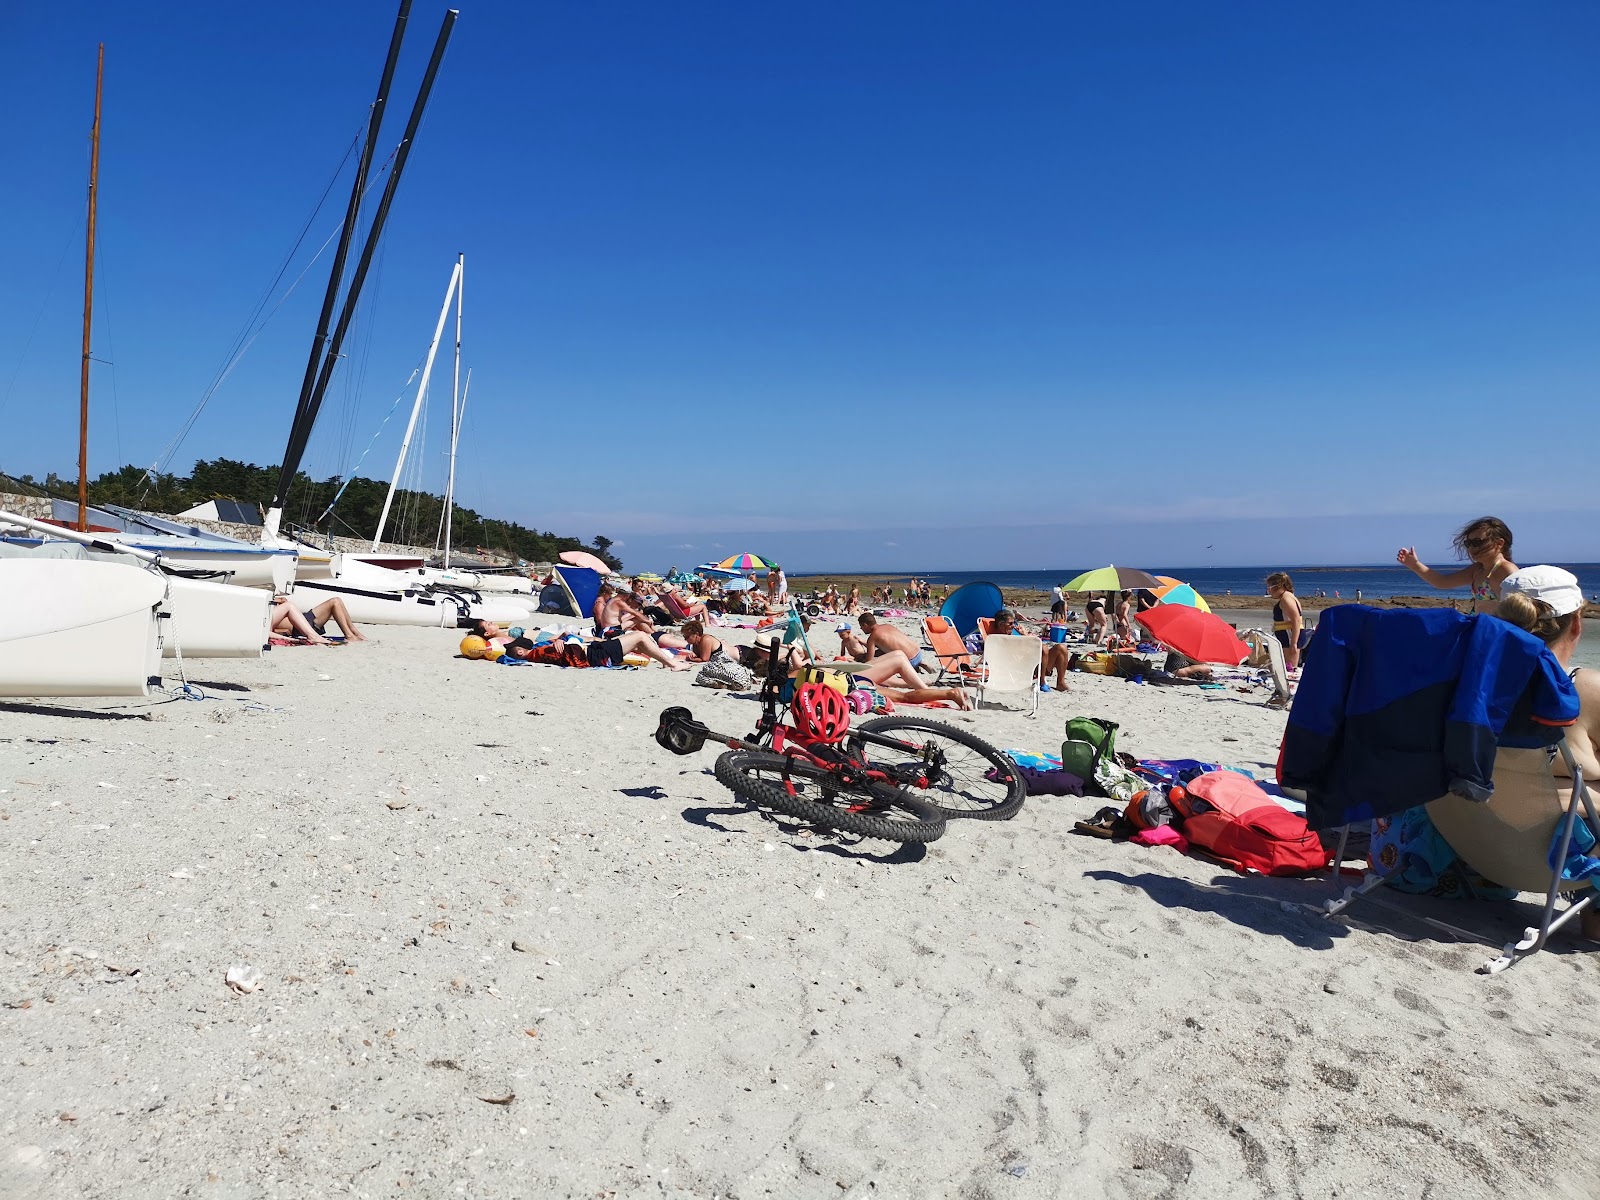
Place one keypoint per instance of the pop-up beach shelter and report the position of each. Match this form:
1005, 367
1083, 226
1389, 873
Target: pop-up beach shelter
970, 601
583, 588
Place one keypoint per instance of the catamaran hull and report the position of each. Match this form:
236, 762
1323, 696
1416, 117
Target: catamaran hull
78, 628
215, 620
368, 606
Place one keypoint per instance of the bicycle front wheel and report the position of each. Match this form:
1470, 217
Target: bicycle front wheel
958, 772
814, 795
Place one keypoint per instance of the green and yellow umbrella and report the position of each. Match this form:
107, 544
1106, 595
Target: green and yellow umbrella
1112, 579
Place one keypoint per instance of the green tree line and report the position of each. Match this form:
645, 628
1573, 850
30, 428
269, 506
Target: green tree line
413, 518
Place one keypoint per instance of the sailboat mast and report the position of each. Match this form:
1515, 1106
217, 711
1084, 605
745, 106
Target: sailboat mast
304, 421
291, 457
88, 299
416, 406
455, 409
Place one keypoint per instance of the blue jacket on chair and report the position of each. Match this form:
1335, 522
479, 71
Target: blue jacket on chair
1399, 707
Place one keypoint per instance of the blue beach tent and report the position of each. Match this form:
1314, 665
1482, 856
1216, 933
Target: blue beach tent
970, 601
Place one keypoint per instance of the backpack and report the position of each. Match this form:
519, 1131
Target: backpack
1089, 739
1233, 820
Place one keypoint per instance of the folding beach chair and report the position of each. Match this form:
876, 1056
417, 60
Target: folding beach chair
1263, 645
1511, 839
955, 661
1011, 663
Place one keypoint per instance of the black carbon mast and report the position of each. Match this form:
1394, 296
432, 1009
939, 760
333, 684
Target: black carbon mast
325, 346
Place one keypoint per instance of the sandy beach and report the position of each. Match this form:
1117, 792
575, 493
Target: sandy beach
510, 947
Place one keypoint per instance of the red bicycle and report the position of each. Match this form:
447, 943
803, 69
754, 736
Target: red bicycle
896, 778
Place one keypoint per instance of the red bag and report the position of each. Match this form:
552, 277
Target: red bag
1232, 819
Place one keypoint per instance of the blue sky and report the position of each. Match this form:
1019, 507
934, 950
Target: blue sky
893, 285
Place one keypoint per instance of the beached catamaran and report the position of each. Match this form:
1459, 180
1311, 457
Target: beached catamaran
73, 626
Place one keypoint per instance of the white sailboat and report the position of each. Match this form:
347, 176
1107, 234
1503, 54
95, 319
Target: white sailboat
205, 618
78, 628
422, 595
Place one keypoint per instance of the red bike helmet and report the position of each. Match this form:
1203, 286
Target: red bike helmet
820, 714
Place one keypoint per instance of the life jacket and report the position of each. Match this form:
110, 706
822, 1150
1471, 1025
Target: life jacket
1233, 820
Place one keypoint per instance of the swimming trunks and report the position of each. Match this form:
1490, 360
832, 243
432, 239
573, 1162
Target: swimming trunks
312, 621
605, 653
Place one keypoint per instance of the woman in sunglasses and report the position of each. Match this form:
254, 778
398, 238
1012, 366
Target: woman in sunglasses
1486, 542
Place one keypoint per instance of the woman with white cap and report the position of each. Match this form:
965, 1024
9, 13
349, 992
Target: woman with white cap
1547, 602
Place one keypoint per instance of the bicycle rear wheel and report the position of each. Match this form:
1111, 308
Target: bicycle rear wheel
808, 792
965, 776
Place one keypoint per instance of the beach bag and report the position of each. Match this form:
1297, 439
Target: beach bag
834, 679
724, 673
1234, 821
1089, 740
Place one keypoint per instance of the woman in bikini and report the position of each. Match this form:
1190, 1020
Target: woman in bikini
1486, 543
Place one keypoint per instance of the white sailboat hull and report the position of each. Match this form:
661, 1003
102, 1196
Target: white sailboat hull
370, 606
76, 628
215, 620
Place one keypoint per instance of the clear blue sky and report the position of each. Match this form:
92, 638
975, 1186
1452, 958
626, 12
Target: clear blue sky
902, 285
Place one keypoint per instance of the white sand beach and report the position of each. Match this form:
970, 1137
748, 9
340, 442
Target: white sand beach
510, 947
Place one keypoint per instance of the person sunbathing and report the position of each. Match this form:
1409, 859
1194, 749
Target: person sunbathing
703, 647
600, 652
312, 623
891, 673
616, 612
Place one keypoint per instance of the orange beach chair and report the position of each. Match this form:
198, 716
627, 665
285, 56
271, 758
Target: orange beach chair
954, 659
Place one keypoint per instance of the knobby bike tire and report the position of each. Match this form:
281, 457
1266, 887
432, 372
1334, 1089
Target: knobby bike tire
965, 791
756, 776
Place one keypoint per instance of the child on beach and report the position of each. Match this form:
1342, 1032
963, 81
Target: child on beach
1486, 544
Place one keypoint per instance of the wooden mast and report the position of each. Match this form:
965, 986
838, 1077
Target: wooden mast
88, 300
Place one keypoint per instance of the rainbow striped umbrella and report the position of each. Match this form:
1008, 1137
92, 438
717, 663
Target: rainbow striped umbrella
1180, 593
745, 562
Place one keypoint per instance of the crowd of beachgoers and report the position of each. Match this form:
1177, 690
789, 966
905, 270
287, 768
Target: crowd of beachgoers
420, 916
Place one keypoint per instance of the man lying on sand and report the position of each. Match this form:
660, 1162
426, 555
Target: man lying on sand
615, 612
572, 651
310, 624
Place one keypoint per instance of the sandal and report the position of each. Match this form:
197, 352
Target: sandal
1107, 823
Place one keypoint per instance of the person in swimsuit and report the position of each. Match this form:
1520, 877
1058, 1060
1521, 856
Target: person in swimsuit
1094, 610
1548, 603
311, 623
1486, 543
601, 652
1288, 622
703, 647
882, 638
892, 673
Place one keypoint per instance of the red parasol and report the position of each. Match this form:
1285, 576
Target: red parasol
1201, 636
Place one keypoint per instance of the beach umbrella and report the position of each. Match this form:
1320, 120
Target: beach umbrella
683, 577
649, 577
1180, 593
582, 558
1202, 636
713, 570
738, 585
1112, 579
745, 562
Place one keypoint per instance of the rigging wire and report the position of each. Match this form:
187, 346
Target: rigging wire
111, 344
355, 470
256, 323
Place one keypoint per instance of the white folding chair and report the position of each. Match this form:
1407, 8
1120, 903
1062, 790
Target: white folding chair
1011, 663
1510, 839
